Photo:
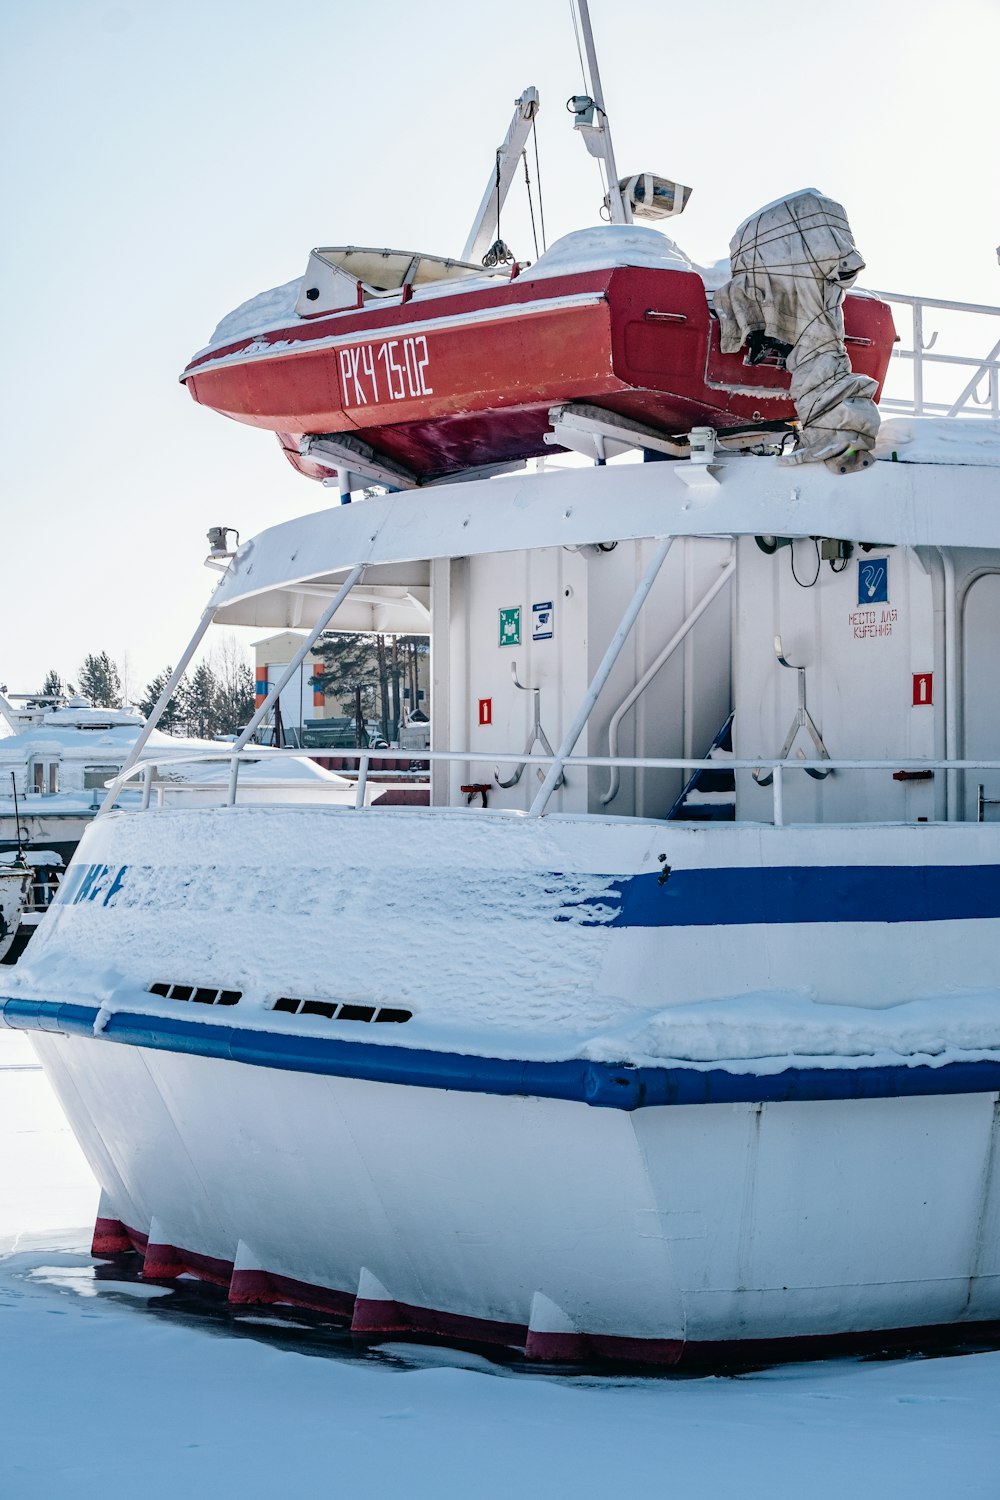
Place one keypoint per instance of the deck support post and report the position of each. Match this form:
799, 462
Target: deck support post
352, 578
208, 615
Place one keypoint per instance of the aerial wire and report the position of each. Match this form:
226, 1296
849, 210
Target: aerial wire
531, 202
579, 48
538, 179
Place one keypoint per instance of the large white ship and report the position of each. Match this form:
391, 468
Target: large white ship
671, 1025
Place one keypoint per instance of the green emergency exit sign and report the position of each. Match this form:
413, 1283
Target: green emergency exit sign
510, 626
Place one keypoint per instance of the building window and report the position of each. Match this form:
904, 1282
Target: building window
96, 778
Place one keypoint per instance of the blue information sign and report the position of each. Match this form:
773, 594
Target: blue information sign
873, 581
541, 621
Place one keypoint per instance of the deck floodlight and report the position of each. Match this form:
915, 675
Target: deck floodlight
218, 541
652, 197
582, 106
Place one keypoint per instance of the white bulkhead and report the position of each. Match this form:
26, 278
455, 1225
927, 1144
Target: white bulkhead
562, 606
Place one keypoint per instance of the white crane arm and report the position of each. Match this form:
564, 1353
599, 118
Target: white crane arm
484, 226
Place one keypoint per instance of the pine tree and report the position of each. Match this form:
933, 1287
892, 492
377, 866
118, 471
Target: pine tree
413, 651
353, 660
350, 661
234, 675
52, 687
99, 681
173, 715
201, 703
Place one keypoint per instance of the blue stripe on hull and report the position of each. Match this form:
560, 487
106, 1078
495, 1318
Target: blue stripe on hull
723, 897
605, 1085
798, 893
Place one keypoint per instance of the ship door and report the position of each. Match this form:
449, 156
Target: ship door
980, 706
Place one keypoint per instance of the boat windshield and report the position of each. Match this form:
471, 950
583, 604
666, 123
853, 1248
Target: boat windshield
389, 270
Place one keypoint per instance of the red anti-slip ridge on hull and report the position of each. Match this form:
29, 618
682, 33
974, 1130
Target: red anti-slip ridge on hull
376, 1320
449, 382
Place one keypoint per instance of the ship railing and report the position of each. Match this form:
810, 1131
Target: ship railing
769, 774
930, 391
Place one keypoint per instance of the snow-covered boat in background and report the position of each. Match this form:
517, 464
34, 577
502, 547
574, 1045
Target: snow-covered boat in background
557, 1064
57, 758
15, 885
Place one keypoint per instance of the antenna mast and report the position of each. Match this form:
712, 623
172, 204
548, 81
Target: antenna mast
597, 133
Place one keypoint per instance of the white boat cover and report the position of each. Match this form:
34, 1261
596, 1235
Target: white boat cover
792, 262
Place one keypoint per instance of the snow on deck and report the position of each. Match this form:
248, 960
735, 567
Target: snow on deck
493, 953
960, 441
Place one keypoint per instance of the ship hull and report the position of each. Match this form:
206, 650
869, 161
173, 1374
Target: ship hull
566, 1231
545, 1200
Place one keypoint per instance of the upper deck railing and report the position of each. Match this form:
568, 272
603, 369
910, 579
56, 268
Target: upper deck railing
772, 775
931, 376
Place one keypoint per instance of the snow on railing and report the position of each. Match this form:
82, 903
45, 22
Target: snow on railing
932, 387
769, 772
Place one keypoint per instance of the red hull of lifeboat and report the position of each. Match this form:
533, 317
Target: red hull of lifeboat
447, 382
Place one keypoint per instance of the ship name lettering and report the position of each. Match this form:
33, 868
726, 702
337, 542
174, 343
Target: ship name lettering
405, 363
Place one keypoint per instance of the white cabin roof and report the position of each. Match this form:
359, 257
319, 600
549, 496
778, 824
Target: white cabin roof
285, 576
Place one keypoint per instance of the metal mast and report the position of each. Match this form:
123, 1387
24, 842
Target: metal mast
597, 134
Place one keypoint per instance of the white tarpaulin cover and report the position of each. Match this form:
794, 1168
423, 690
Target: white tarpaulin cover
791, 265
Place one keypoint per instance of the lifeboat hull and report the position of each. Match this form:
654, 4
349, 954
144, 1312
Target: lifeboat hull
444, 383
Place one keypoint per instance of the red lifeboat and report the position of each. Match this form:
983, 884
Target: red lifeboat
433, 367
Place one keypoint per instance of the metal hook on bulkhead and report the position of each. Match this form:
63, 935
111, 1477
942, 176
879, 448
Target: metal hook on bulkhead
803, 720
537, 736
974, 393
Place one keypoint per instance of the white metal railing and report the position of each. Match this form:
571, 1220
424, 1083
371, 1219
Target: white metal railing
980, 393
321, 791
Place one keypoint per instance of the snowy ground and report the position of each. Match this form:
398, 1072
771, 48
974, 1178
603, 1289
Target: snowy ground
104, 1394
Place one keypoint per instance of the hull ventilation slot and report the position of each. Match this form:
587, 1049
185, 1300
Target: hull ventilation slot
198, 993
348, 1011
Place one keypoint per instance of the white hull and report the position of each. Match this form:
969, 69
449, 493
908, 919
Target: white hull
676, 1226
409, 1197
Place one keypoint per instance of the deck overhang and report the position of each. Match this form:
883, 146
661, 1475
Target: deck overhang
287, 574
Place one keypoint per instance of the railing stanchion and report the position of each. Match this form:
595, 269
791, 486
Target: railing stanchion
147, 785
359, 798
234, 772
778, 797
918, 359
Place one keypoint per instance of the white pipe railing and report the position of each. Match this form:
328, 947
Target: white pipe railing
922, 355
316, 790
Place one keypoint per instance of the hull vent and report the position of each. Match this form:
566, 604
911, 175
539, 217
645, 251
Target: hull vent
199, 993
341, 1012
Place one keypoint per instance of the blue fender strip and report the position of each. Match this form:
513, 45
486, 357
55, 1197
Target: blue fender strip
603, 1085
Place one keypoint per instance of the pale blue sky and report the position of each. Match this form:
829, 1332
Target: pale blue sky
163, 163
